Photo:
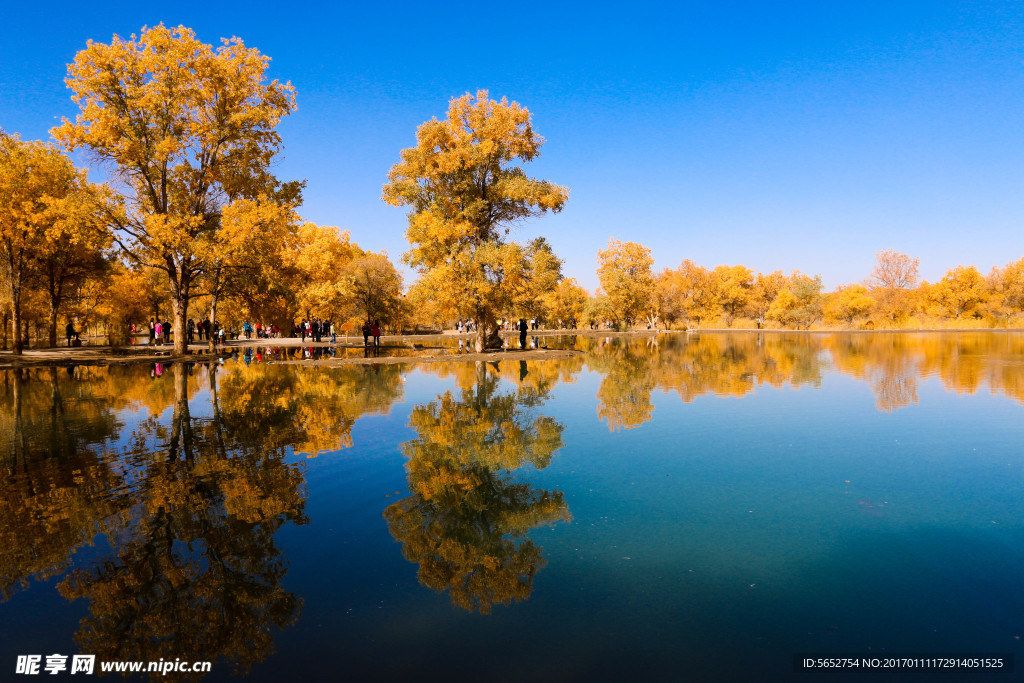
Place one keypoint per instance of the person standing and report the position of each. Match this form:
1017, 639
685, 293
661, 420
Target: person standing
376, 334
366, 333
167, 332
70, 330
152, 331
523, 329
159, 329
191, 330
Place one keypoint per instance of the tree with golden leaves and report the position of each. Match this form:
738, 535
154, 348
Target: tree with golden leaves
847, 303
799, 304
624, 269
567, 300
1007, 289
765, 288
960, 291
186, 126
50, 224
894, 275
466, 190
733, 287
375, 286
543, 273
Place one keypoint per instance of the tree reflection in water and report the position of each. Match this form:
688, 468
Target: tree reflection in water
466, 522
189, 505
195, 569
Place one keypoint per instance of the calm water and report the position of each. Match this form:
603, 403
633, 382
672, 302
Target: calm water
655, 509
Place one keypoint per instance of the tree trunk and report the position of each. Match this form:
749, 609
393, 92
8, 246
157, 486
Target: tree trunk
213, 317
54, 291
180, 316
52, 324
19, 344
181, 420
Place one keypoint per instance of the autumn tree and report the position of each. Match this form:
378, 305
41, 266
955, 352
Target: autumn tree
765, 288
895, 274
847, 303
799, 304
696, 291
543, 274
733, 287
1007, 285
183, 124
598, 308
49, 225
319, 256
375, 285
567, 300
624, 269
961, 290
72, 252
466, 191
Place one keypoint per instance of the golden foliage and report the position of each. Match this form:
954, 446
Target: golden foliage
624, 269
186, 125
465, 194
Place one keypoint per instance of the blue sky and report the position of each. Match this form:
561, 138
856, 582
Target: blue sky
777, 135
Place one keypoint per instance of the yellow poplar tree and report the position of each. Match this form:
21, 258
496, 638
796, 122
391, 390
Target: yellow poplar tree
961, 290
566, 301
376, 286
465, 191
182, 122
847, 303
624, 269
319, 257
733, 289
895, 274
49, 224
1008, 283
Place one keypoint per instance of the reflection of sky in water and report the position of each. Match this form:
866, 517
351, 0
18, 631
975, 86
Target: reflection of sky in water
733, 500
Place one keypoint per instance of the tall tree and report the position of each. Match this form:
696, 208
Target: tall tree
733, 289
960, 291
895, 274
49, 224
543, 274
847, 303
624, 269
466, 191
185, 125
799, 304
375, 286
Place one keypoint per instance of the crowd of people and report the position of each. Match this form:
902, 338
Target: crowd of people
316, 329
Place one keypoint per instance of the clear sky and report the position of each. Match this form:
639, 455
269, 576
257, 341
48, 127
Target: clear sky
779, 135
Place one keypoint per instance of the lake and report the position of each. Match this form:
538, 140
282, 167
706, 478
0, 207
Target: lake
672, 507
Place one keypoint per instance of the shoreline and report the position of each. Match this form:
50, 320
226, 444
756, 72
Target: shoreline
103, 355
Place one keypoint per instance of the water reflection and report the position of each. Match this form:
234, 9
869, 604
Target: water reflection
467, 519
737, 364
152, 495
311, 410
